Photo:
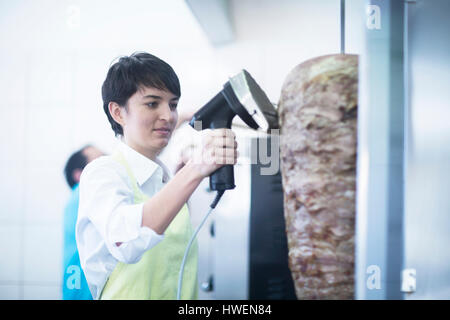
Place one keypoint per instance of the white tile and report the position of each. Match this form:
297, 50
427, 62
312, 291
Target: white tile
14, 76
48, 132
50, 78
43, 253
46, 194
10, 292
10, 253
12, 131
89, 75
41, 292
12, 192
91, 125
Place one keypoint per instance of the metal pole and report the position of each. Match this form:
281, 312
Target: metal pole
342, 26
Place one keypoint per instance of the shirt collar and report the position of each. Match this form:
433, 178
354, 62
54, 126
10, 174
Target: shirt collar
143, 168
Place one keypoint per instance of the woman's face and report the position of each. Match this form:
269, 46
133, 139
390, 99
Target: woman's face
150, 120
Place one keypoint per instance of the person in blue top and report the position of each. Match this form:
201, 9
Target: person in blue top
74, 285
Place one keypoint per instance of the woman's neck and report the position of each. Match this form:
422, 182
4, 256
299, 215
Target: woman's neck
151, 154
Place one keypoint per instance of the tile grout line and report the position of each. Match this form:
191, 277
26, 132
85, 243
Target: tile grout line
30, 283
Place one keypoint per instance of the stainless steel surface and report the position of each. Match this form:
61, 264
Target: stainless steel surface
225, 256
427, 158
254, 100
379, 239
231, 240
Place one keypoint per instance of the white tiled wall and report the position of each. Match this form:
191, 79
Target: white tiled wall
41, 292
51, 105
10, 292
11, 258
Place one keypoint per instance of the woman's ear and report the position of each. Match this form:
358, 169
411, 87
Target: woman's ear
116, 113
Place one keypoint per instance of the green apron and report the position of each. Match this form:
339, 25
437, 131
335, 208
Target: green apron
155, 276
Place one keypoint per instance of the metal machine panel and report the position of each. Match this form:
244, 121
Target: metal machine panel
248, 253
230, 240
270, 277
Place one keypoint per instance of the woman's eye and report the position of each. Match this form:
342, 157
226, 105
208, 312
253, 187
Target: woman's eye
152, 104
173, 106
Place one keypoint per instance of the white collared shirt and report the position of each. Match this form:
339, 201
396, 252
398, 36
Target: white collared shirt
107, 214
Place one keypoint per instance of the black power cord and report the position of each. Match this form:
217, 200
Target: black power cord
211, 207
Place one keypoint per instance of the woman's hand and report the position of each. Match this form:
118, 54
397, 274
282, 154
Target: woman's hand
218, 147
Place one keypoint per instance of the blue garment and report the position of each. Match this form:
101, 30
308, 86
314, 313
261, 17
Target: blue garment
74, 286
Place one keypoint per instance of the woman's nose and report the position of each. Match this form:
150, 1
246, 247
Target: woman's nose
166, 112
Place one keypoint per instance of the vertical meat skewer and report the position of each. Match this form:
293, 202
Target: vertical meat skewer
318, 121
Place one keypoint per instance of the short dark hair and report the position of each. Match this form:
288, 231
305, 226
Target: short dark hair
127, 75
76, 161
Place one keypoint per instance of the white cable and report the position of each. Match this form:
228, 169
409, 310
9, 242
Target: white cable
180, 276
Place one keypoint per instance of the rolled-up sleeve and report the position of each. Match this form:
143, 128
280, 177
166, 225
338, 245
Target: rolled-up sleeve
107, 204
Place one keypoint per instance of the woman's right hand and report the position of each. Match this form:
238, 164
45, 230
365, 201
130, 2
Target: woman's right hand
218, 147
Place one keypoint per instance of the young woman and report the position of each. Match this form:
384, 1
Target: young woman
133, 223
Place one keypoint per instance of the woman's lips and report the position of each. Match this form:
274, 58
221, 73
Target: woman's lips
163, 131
